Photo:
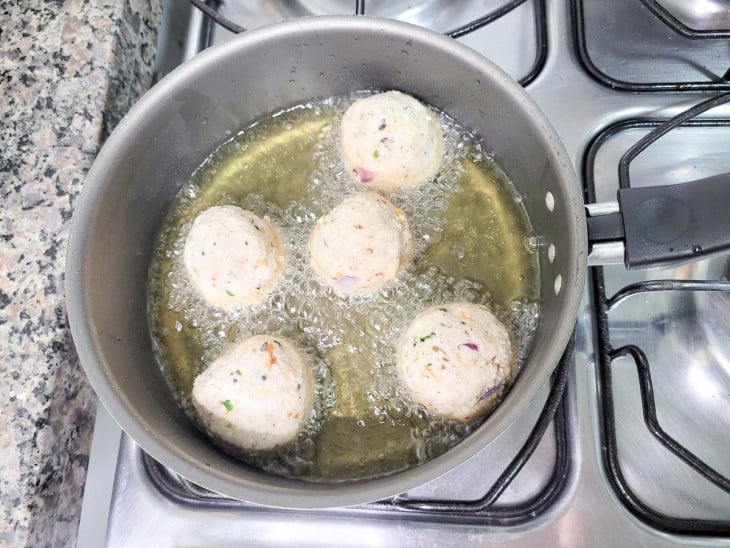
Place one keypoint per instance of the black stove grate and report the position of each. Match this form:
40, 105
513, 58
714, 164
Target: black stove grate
702, 45
211, 9
668, 18
606, 354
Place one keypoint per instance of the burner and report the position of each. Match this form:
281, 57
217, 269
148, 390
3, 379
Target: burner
439, 15
512, 33
419, 13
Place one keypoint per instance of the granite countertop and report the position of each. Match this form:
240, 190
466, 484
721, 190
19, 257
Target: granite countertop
68, 71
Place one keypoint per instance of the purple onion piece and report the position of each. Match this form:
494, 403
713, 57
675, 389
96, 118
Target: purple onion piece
489, 393
470, 346
365, 175
346, 283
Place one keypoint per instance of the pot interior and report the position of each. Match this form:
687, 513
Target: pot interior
200, 105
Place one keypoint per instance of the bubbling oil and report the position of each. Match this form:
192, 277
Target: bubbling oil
471, 235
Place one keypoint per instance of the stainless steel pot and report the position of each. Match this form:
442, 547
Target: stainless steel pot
201, 104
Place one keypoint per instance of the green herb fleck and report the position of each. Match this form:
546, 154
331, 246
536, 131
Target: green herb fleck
376, 153
228, 405
230, 293
426, 337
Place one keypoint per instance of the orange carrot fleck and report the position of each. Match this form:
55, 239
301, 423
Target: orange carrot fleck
270, 350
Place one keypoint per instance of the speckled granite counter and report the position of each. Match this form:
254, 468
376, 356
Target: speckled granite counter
68, 71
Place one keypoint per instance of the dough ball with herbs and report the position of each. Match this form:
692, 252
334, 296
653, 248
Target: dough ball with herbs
257, 395
391, 140
233, 257
361, 244
456, 360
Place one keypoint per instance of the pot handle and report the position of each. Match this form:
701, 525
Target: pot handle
661, 225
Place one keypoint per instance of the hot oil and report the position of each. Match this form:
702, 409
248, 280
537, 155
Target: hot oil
472, 243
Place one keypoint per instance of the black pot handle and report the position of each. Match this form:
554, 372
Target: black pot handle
663, 225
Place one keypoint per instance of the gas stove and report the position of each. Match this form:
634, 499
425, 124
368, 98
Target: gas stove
635, 450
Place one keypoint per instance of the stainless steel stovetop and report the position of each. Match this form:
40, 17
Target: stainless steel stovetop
606, 74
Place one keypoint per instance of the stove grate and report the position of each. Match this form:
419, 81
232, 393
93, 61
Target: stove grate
700, 47
669, 19
210, 9
606, 354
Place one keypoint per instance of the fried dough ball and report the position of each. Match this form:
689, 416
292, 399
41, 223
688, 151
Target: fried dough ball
233, 257
391, 140
361, 244
257, 395
456, 360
